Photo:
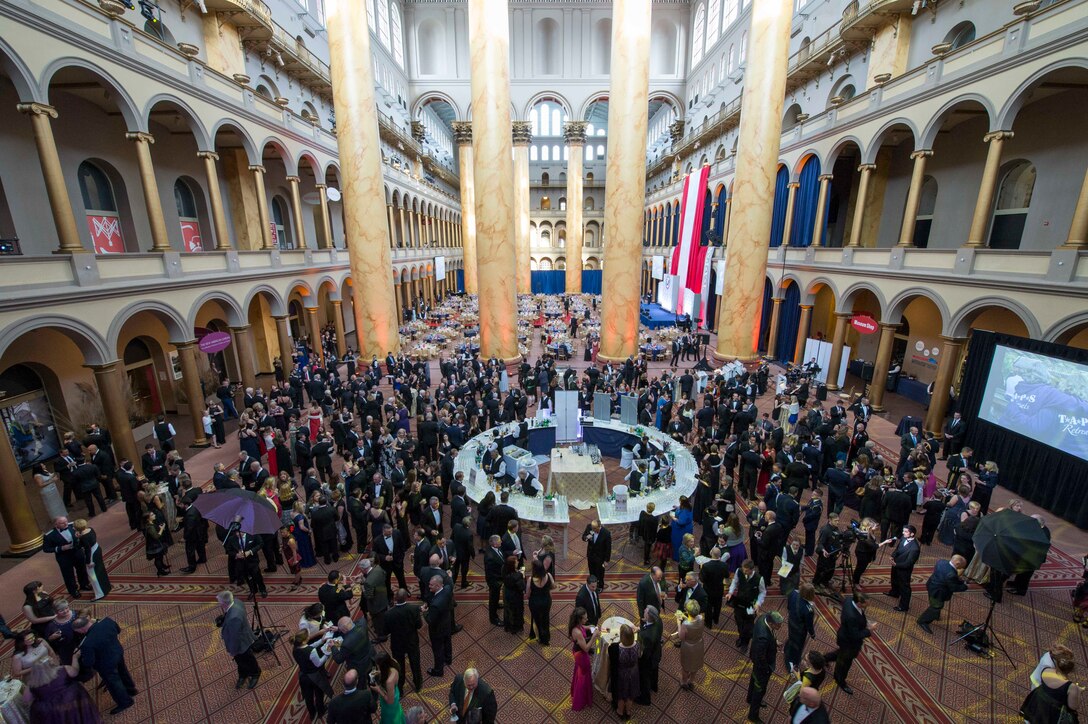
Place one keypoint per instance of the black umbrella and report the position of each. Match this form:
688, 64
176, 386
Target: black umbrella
1011, 542
256, 515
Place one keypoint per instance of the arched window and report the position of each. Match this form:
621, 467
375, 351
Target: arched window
600, 150
729, 14
157, 29
545, 203
281, 230
713, 20
544, 177
532, 153
545, 153
545, 265
1013, 200
187, 216
923, 222
555, 152
263, 91
961, 35
100, 206
566, 153
398, 35
743, 47
588, 203
383, 22
562, 203
732, 64
697, 34
589, 152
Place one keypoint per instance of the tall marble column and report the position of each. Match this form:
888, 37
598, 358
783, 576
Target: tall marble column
984, 205
262, 207
160, 241
60, 204
625, 190
821, 210
107, 379
324, 234
772, 331
951, 349
283, 337
376, 330
338, 323
1078, 229
190, 382
575, 133
462, 133
914, 198
857, 223
842, 321
215, 198
882, 365
243, 352
802, 333
405, 237
23, 531
392, 226
753, 185
725, 219
296, 212
492, 170
791, 199
523, 138
314, 330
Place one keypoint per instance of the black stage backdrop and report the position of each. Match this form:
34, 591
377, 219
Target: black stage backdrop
1044, 475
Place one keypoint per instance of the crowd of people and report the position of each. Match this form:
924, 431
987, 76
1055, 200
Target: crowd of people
360, 459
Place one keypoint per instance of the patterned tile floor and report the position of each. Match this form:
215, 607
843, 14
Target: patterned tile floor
903, 675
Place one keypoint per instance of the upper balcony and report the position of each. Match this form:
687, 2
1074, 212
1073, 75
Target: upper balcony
862, 18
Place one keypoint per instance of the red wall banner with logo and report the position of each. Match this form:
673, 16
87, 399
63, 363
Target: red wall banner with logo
105, 234
190, 236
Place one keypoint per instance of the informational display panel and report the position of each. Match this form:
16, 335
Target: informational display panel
566, 415
628, 409
602, 406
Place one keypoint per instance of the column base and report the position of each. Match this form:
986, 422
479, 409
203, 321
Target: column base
833, 388
601, 357
879, 408
746, 361
200, 444
24, 550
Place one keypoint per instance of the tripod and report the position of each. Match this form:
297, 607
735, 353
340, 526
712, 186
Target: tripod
846, 573
267, 636
985, 635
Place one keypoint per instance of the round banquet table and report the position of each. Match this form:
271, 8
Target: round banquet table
610, 634
14, 708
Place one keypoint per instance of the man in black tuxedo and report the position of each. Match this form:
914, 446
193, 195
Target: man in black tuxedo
354, 706
439, 613
808, 708
691, 590
838, 482
421, 553
908, 442
954, 432
154, 464
402, 623
651, 590
598, 549
323, 520
459, 507
947, 579
713, 574
500, 515
87, 485
389, 549
470, 693
649, 659
493, 569
61, 542
101, 650
355, 650
431, 519
129, 484
853, 631
378, 489
590, 600
511, 543
770, 545
244, 549
195, 529
895, 509
463, 550
904, 557
334, 597
764, 654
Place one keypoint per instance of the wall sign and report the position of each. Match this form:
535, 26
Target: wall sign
863, 323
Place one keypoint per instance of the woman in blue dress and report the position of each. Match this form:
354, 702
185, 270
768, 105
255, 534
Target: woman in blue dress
659, 420
681, 525
303, 537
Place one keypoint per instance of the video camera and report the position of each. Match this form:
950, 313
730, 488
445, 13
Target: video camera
842, 540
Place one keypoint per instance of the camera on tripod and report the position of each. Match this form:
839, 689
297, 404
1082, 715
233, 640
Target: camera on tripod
843, 539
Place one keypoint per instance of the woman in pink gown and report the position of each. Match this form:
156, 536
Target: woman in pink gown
315, 420
581, 684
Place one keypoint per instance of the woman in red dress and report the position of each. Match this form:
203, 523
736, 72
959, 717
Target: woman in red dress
765, 470
581, 683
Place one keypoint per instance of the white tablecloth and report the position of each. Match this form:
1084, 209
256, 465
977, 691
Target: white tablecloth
13, 708
576, 476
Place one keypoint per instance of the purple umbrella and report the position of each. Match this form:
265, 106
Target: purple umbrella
256, 515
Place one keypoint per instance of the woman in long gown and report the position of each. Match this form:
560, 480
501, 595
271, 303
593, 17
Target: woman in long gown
303, 537
291, 557
623, 672
689, 629
682, 524
387, 691
47, 488
540, 604
56, 699
314, 419
38, 607
581, 684
513, 597
92, 556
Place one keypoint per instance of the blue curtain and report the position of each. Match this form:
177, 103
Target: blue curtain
765, 317
549, 282
778, 218
789, 316
461, 280
668, 225
719, 214
591, 281
804, 204
676, 223
708, 202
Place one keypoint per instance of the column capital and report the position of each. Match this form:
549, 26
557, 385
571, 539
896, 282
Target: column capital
575, 132
867, 167
805, 306
257, 168
997, 136
208, 154
953, 340
826, 177
185, 344
281, 317
321, 187
922, 153
140, 137
293, 179
793, 185
37, 109
336, 302
522, 132
777, 300
889, 325
844, 315
239, 330
462, 132
106, 367
309, 309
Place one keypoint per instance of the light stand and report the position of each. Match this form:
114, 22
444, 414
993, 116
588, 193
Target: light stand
982, 638
266, 635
